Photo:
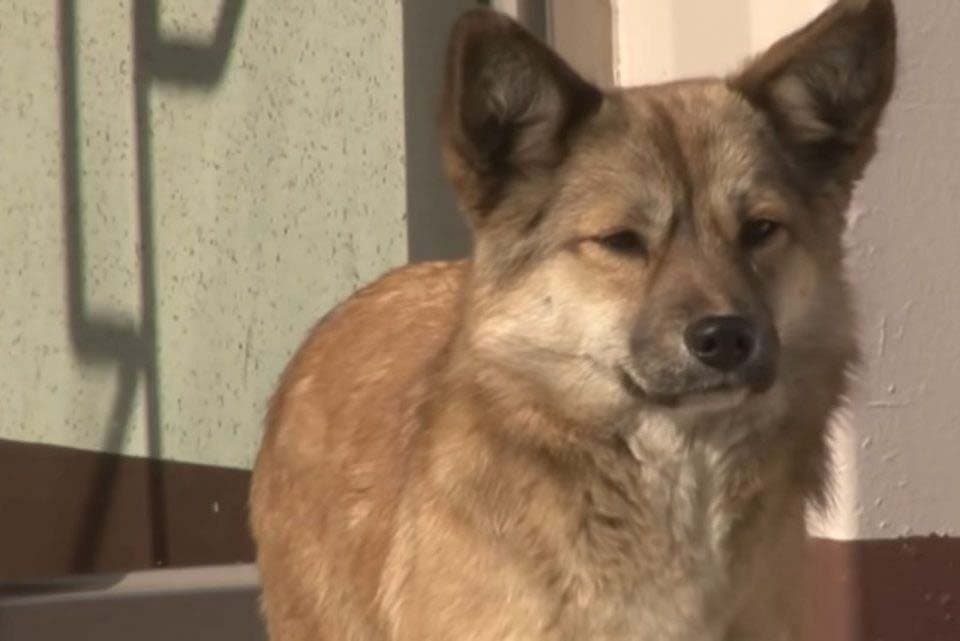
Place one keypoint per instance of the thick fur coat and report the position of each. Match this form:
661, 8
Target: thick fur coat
607, 424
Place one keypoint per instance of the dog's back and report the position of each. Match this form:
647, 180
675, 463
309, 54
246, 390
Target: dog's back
336, 453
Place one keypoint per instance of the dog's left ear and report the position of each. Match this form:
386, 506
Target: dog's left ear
825, 87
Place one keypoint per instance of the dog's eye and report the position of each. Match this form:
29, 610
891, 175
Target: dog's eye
624, 242
757, 232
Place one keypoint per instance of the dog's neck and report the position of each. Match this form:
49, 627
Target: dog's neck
705, 475
614, 511
691, 474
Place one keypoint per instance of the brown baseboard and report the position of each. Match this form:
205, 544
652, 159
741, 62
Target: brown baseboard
884, 590
66, 512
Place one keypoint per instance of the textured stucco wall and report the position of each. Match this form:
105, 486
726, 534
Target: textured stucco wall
898, 446
905, 236
275, 191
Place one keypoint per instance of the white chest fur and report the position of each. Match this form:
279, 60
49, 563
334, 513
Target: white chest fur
690, 578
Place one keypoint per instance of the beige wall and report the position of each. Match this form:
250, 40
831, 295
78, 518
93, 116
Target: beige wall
274, 192
905, 234
581, 30
899, 445
657, 41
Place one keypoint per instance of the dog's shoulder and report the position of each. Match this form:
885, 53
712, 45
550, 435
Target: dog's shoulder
359, 362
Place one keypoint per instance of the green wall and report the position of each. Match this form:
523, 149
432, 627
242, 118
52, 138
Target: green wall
250, 177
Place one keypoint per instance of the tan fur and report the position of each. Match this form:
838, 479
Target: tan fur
518, 447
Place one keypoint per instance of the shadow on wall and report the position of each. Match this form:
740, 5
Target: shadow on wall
435, 229
118, 342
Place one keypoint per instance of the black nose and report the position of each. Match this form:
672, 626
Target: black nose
722, 342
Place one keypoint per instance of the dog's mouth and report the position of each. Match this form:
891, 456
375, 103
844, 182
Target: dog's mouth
722, 390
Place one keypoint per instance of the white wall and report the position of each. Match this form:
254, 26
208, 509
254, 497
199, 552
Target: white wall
657, 41
899, 446
906, 258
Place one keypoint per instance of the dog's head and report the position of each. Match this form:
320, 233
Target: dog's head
664, 245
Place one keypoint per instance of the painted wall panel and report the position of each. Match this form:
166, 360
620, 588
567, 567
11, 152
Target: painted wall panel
236, 169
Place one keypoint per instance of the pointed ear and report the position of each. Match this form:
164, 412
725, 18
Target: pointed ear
825, 87
509, 107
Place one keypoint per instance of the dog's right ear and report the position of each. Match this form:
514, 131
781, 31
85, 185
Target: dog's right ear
509, 105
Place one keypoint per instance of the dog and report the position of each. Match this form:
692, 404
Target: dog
609, 422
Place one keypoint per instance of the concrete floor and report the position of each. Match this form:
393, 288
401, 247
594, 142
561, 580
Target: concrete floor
203, 604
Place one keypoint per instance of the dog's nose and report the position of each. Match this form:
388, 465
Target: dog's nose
725, 343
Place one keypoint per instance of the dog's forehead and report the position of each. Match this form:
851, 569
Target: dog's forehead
676, 139
696, 127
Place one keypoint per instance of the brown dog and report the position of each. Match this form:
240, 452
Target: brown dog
607, 424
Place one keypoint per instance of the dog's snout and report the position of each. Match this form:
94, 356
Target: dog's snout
725, 343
